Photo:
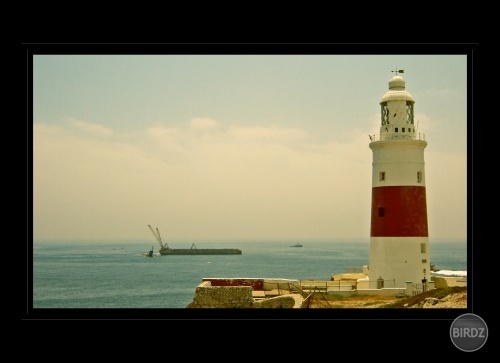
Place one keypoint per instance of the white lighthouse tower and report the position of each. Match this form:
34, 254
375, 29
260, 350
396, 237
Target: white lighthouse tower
399, 239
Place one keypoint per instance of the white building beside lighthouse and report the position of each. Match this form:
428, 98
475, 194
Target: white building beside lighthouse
399, 239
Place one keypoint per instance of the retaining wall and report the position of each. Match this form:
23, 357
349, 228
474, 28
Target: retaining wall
238, 294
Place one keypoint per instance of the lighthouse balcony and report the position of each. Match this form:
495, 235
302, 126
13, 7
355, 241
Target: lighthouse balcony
397, 136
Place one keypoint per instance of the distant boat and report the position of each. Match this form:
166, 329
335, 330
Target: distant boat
149, 254
165, 250
296, 245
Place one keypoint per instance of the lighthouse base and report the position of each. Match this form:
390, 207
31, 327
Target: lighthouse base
395, 261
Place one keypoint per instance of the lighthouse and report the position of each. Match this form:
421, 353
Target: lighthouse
399, 239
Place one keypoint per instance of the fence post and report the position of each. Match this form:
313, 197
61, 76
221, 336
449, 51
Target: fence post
408, 291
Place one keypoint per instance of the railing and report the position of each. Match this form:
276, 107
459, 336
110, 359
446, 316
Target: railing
316, 285
376, 284
319, 298
306, 287
396, 136
345, 285
283, 288
419, 288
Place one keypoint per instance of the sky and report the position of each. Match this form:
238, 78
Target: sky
235, 146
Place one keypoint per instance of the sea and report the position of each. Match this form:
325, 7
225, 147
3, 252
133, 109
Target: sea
116, 274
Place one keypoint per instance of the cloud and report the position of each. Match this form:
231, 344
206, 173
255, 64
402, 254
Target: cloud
270, 133
90, 128
202, 123
446, 186
238, 182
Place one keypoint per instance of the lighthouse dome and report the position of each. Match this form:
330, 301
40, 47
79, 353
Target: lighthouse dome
397, 83
397, 91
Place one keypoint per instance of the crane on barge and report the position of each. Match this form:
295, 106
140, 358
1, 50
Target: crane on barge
158, 238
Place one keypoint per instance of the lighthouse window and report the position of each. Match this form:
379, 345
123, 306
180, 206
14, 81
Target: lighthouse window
396, 129
382, 176
419, 176
424, 260
409, 112
385, 113
403, 129
381, 212
423, 248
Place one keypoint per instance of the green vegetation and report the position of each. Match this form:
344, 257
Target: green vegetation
333, 296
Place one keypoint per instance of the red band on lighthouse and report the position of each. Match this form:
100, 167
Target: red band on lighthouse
399, 211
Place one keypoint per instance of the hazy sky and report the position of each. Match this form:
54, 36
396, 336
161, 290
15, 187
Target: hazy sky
234, 147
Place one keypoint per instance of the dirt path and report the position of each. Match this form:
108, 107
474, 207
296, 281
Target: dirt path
437, 299
353, 302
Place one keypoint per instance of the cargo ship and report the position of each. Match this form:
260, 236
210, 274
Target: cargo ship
165, 250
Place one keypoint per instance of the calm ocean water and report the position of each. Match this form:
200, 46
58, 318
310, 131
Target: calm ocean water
80, 275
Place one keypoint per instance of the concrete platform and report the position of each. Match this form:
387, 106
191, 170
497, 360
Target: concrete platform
258, 294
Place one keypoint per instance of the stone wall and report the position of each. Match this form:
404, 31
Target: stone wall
207, 296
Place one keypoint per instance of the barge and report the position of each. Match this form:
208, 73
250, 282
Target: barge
165, 250
199, 251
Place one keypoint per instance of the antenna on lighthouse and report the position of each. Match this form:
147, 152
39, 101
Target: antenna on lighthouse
398, 71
